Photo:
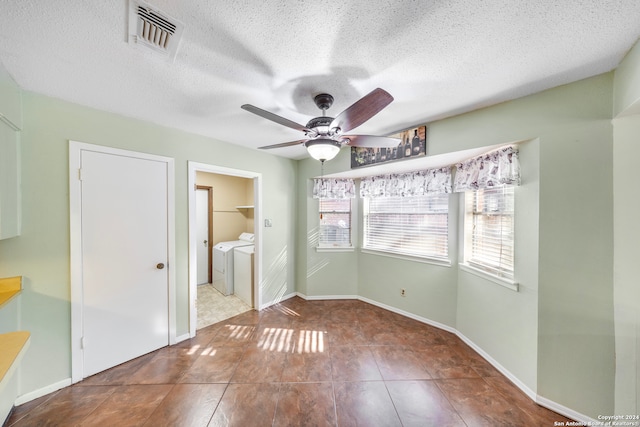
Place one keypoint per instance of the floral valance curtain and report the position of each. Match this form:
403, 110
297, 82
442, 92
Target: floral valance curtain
327, 188
409, 184
490, 170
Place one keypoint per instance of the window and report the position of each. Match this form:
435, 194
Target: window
335, 223
489, 230
415, 226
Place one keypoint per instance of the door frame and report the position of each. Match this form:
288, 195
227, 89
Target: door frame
209, 191
75, 233
194, 167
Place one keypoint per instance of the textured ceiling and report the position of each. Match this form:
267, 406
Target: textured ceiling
437, 58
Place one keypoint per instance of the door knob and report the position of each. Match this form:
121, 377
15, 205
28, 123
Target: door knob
160, 266
205, 243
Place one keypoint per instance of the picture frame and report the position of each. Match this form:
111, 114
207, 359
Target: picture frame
413, 143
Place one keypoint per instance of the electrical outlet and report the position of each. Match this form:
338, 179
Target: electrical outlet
403, 292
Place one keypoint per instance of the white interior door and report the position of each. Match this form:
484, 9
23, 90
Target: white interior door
124, 209
202, 223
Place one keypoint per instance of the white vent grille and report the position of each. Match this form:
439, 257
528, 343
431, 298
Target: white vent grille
152, 29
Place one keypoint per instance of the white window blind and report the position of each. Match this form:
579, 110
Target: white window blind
415, 226
335, 223
489, 230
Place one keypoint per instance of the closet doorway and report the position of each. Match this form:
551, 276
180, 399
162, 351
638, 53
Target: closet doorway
233, 210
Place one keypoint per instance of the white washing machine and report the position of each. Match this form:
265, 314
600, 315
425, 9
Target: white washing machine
243, 273
223, 262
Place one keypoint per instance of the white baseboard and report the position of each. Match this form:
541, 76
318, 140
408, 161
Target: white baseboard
28, 397
410, 315
182, 337
542, 401
282, 298
381, 305
504, 371
325, 297
567, 412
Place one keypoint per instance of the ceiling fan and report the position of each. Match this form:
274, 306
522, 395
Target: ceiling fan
324, 136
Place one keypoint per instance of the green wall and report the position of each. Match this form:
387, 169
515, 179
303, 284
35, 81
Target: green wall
626, 202
320, 273
555, 335
627, 236
41, 253
626, 90
576, 359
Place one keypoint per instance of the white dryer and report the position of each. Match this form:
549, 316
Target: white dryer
223, 262
243, 273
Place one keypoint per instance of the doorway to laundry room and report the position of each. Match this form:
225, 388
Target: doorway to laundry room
222, 229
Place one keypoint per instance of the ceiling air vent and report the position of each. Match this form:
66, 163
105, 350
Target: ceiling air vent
152, 29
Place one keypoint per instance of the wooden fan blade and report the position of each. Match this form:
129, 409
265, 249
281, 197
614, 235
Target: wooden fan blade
371, 141
274, 117
362, 110
284, 144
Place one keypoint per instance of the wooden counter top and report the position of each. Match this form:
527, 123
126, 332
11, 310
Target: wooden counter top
9, 287
13, 345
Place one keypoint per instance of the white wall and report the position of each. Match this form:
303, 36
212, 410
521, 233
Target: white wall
626, 90
555, 335
41, 253
229, 192
627, 238
626, 199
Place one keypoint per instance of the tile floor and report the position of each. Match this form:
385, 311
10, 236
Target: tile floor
213, 307
298, 363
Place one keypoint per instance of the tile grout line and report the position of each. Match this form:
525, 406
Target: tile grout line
333, 383
375, 359
228, 383
371, 338
159, 403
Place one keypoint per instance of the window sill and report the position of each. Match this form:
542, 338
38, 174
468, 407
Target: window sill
433, 261
335, 249
509, 284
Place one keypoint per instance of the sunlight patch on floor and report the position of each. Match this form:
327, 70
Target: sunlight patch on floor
290, 341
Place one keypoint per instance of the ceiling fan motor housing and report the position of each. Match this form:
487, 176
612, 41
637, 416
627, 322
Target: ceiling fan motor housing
319, 121
324, 135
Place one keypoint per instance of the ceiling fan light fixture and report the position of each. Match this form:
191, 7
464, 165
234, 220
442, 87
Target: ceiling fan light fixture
324, 134
323, 149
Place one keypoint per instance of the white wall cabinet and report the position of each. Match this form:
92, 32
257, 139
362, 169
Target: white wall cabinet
10, 125
9, 181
